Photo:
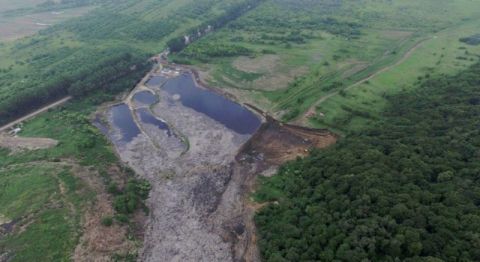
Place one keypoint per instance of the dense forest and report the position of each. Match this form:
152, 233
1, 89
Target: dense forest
407, 189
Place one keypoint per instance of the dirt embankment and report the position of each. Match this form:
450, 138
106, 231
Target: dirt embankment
16, 144
271, 146
275, 142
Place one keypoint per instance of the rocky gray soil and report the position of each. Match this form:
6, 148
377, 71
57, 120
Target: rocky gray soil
196, 201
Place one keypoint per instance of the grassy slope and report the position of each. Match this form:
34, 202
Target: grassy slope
31, 183
19, 18
389, 29
442, 53
6, 5
51, 218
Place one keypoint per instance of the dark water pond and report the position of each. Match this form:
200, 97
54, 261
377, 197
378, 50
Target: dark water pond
156, 81
145, 97
147, 117
123, 120
217, 107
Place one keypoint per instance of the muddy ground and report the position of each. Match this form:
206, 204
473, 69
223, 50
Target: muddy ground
200, 210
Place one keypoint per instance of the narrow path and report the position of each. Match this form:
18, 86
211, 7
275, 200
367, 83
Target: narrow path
387, 68
311, 111
39, 111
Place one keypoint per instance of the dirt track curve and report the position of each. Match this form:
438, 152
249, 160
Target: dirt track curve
304, 118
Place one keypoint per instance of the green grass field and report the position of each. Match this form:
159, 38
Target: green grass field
441, 54
32, 198
7, 5
26, 17
325, 47
39, 192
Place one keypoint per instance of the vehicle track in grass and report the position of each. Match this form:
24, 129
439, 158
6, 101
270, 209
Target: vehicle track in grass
303, 120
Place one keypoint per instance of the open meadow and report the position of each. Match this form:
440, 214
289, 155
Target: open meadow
24, 18
322, 63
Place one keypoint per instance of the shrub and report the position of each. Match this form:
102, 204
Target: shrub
121, 218
112, 188
107, 221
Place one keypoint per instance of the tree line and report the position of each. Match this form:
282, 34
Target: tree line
80, 74
236, 10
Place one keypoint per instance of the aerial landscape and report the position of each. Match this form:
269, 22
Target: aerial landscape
240, 130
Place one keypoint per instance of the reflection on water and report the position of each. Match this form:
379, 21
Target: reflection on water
217, 107
123, 120
145, 97
156, 81
148, 118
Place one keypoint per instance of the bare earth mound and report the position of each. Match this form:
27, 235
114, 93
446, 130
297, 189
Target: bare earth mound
275, 143
275, 74
262, 64
26, 143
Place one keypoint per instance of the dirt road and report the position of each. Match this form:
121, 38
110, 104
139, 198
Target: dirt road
311, 111
39, 111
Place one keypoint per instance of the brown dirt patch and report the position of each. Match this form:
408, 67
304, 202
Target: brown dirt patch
12, 28
99, 242
279, 80
262, 64
17, 144
396, 34
276, 143
275, 75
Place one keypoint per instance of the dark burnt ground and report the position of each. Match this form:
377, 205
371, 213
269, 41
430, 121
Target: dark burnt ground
272, 145
275, 143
